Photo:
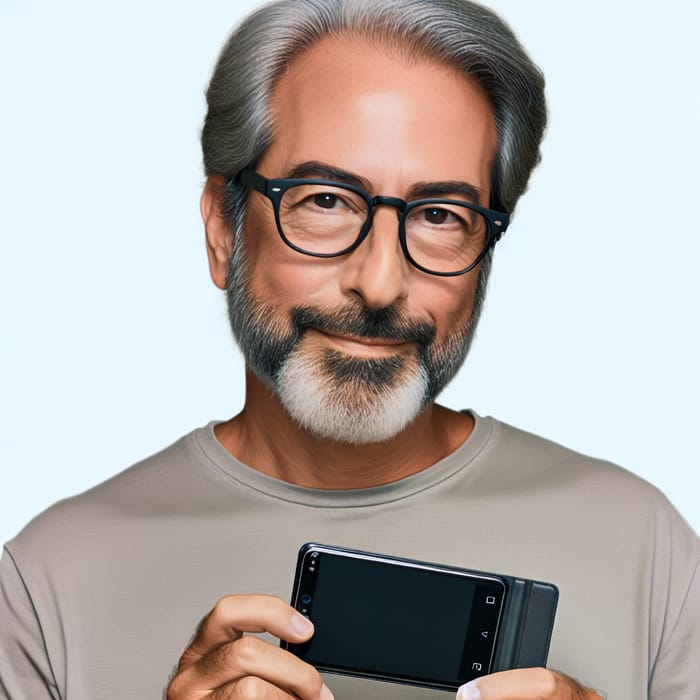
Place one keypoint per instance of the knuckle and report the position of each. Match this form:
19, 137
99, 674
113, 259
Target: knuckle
218, 612
189, 657
548, 682
252, 688
311, 679
246, 650
175, 689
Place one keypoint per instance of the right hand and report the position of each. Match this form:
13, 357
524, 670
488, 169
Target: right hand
223, 663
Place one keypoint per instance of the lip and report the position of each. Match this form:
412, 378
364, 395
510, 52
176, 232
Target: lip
363, 340
356, 344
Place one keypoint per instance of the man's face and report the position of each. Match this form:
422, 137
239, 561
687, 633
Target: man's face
355, 347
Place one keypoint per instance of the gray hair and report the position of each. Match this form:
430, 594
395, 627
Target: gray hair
460, 33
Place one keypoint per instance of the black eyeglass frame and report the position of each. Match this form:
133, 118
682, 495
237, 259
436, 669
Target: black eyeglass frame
275, 188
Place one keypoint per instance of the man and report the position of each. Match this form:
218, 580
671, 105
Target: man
360, 156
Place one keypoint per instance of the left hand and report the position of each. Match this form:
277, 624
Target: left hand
526, 684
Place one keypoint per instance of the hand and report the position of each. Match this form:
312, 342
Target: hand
223, 663
526, 684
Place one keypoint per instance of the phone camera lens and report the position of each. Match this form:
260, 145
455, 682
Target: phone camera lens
305, 599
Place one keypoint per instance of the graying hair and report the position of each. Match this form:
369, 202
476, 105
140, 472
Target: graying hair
460, 33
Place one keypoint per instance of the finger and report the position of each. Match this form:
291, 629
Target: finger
250, 688
253, 657
524, 684
236, 614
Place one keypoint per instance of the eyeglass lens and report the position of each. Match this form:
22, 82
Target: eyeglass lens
324, 219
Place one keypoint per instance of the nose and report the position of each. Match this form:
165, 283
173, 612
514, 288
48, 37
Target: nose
377, 270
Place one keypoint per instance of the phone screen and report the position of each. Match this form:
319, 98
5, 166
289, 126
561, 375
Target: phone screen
396, 620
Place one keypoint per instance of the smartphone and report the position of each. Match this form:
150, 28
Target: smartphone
394, 619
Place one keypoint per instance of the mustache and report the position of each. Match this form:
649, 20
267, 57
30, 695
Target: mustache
388, 323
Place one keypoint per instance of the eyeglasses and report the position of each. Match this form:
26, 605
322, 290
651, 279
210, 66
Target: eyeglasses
327, 219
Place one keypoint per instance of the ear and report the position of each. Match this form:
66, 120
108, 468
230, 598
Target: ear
218, 232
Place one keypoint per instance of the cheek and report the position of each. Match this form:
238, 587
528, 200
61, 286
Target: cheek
259, 229
300, 281
280, 275
447, 301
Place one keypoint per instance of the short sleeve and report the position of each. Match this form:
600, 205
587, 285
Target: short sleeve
25, 670
674, 669
675, 673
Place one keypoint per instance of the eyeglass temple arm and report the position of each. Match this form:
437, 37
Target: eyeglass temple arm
501, 223
251, 179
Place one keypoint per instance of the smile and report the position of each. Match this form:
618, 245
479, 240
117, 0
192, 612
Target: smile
360, 345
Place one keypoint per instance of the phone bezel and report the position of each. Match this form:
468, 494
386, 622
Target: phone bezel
299, 588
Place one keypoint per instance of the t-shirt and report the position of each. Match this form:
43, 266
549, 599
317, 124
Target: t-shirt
101, 593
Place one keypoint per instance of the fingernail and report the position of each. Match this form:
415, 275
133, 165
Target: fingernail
326, 693
469, 691
302, 625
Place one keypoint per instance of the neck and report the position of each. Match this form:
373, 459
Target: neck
264, 437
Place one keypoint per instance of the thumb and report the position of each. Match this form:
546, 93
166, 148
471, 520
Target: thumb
301, 627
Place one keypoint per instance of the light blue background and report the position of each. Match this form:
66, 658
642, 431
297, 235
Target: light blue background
114, 342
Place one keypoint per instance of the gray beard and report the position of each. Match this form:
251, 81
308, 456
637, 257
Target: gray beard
332, 395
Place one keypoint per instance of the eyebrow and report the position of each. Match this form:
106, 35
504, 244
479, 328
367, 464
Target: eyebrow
446, 188
323, 171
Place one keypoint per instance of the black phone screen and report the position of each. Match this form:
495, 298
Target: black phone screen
397, 621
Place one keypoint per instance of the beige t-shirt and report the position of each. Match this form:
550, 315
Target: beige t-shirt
100, 594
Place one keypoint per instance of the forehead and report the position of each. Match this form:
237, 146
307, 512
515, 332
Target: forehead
350, 103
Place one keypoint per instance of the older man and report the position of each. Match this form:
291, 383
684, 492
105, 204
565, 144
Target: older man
362, 158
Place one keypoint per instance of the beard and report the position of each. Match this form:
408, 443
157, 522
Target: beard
337, 396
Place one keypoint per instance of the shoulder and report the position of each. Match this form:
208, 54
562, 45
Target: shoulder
595, 507
512, 445
150, 488
528, 462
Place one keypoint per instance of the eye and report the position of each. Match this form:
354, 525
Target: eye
445, 217
326, 200
322, 199
434, 215
441, 216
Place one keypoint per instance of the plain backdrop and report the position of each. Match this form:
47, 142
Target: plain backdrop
114, 341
